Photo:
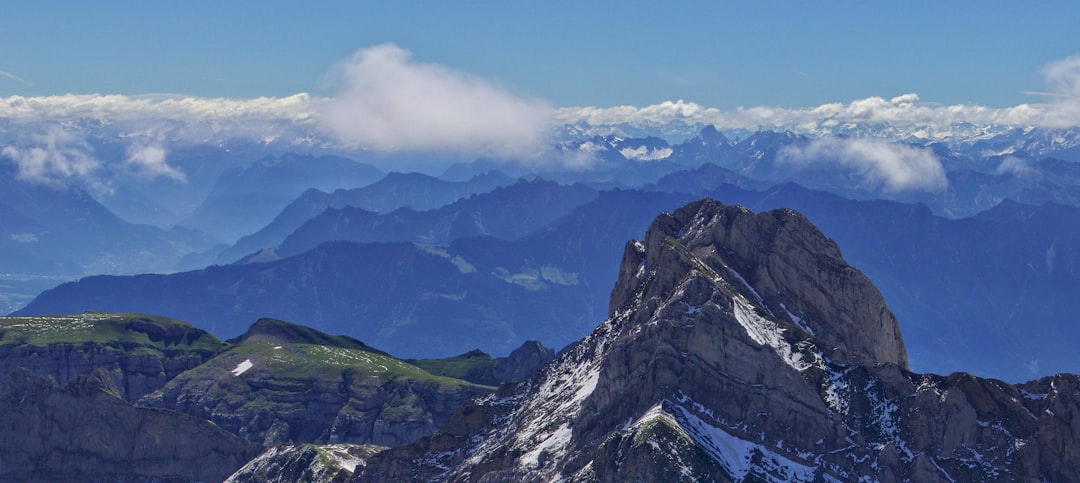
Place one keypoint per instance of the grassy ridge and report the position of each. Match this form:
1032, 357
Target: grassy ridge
128, 330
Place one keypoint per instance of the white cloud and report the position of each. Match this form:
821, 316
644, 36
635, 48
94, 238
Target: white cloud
149, 162
1015, 166
643, 153
56, 156
905, 109
1063, 78
391, 102
880, 164
295, 108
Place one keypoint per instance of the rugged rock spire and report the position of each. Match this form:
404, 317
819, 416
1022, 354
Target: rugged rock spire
742, 347
776, 260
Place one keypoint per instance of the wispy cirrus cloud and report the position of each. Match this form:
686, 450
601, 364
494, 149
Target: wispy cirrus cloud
1063, 78
390, 101
14, 77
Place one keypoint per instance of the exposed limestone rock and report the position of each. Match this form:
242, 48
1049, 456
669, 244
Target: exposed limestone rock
332, 463
84, 432
741, 347
141, 352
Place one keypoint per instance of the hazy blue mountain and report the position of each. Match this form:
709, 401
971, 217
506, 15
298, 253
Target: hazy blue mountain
989, 295
62, 230
412, 300
244, 200
702, 179
507, 213
396, 190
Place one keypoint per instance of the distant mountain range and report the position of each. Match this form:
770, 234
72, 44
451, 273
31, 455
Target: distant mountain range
551, 237
963, 290
735, 346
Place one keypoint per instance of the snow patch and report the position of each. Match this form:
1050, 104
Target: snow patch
738, 456
340, 457
557, 440
798, 321
242, 367
767, 333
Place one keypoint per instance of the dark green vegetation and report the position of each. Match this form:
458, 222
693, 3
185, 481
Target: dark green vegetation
131, 332
141, 352
276, 384
285, 383
480, 368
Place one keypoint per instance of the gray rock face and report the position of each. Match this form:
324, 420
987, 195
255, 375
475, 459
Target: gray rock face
305, 462
779, 261
741, 347
522, 362
84, 432
141, 352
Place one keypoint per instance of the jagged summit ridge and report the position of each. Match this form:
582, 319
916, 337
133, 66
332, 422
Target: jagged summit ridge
776, 260
698, 319
741, 347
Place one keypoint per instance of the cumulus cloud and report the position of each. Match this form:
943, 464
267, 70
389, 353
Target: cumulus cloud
1063, 78
880, 164
392, 102
56, 156
149, 162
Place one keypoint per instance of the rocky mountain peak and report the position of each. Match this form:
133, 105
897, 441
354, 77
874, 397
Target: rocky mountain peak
741, 347
273, 331
777, 260
713, 137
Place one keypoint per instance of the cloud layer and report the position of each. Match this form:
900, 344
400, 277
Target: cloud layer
391, 102
880, 164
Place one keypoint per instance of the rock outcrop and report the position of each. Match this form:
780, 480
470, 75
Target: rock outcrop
333, 463
478, 367
284, 383
741, 347
85, 432
141, 352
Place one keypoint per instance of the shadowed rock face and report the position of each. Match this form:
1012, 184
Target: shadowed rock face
140, 352
85, 432
742, 347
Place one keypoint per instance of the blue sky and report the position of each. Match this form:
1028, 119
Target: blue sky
717, 54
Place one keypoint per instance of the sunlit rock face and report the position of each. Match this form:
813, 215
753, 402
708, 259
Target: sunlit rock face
742, 347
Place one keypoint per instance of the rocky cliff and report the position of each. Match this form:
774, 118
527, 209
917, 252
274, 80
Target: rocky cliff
333, 463
478, 367
741, 347
85, 432
283, 383
140, 352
